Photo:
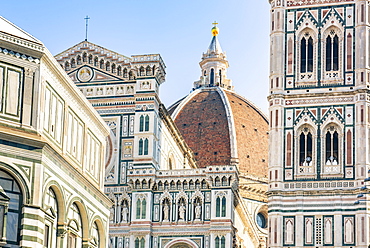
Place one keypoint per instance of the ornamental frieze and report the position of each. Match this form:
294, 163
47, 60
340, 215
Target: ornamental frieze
318, 100
291, 3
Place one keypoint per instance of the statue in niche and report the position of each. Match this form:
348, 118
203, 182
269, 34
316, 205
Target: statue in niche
124, 213
130, 90
111, 216
120, 90
182, 212
110, 91
166, 211
198, 211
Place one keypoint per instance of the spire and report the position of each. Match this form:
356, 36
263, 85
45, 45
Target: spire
215, 46
214, 65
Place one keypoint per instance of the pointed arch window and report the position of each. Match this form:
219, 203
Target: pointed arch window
220, 242
139, 243
73, 63
305, 148
146, 146
221, 206
332, 140
78, 60
332, 52
306, 54
331, 147
146, 123
141, 144
141, 208
141, 127
142, 71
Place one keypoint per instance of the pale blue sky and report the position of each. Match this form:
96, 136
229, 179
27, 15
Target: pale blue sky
178, 30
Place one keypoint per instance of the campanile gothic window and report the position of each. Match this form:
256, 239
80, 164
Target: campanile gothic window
305, 148
305, 151
332, 53
332, 139
306, 53
331, 147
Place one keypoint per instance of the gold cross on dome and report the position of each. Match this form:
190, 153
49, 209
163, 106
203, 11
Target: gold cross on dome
215, 23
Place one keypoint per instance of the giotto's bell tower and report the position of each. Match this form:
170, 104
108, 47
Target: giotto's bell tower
319, 122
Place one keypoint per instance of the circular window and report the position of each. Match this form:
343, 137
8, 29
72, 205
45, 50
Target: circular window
261, 220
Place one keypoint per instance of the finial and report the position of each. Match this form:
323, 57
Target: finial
215, 29
87, 18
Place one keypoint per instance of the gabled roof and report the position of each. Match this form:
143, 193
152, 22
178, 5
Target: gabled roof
9, 28
91, 47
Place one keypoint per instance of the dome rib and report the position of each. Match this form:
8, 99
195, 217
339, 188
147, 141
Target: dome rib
230, 119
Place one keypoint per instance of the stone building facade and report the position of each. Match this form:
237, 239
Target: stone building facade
162, 195
52, 150
319, 123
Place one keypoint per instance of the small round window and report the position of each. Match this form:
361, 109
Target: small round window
261, 220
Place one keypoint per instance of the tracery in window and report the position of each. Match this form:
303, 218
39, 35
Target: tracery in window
141, 208
331, 147
306, 53
143, 146
221, 206
332, 52
139, 243
305, 148
332, 139
144, 123
220, 242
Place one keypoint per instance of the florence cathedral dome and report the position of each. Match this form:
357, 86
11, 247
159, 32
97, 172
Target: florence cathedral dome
219, 125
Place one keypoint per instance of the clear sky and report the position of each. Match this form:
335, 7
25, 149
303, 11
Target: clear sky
178, 30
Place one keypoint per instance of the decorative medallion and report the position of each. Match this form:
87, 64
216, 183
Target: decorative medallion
85, 74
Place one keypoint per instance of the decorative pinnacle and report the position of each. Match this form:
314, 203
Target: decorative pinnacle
215, 29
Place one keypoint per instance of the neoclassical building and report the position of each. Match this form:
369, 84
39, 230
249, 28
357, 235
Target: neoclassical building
165, 192
52, 151
319, 123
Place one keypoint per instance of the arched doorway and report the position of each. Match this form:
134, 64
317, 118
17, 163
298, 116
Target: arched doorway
181, 245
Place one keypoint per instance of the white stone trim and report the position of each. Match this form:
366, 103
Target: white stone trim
230, 120
184, 102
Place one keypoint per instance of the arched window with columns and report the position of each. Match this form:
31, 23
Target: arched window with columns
74, 230
11, 189
51, 218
